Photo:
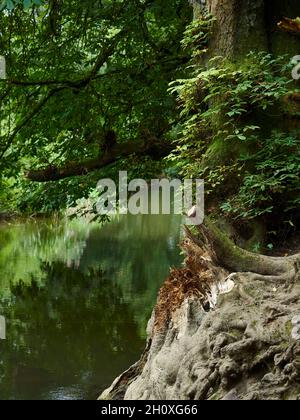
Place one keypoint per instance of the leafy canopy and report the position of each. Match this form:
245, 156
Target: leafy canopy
75, 71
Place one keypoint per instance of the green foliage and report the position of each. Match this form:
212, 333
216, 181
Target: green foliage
197, 35
219, 97
106, 66
273, 183
11, 4
76, 70
227, 135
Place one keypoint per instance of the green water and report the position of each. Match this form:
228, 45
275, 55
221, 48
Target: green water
76, 298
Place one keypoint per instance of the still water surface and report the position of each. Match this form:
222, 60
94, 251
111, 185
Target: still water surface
76, 298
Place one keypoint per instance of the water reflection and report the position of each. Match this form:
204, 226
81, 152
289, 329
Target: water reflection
76, 298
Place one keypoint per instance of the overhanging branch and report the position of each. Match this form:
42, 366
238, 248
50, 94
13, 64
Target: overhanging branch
53, 173
101, 59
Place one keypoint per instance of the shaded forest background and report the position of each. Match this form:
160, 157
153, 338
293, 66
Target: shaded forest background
94, 87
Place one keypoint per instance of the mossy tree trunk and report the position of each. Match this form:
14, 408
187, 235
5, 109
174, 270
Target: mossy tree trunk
241, 27
251, 25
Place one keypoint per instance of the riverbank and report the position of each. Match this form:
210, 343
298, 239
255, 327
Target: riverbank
7, 216
218, 333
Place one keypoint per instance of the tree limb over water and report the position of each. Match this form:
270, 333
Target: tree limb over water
156, 150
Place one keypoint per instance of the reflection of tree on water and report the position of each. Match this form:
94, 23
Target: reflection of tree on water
77, 298
24, 248
76, 331
136, 253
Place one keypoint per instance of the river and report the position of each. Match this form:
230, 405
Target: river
76, 298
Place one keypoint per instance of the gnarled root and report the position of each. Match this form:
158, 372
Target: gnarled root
226, 254
209, 340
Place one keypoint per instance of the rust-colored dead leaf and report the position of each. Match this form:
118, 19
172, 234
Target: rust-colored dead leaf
290, 25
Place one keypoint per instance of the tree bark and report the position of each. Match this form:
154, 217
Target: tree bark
221, 335
240, 27
156, 150
252, 25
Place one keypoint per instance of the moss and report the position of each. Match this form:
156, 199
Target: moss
216, 397
220, 152
256, 242
289, 328
229, 251
235, 334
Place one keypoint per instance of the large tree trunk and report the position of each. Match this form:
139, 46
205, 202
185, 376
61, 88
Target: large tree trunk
240, 27
252, 25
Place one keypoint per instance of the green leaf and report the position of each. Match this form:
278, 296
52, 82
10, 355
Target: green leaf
10, 5
27, 4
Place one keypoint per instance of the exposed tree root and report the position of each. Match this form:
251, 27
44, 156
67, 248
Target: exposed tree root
226, 254
210, 341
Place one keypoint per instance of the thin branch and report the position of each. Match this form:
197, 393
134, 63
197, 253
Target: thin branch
32, 114
101, 59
